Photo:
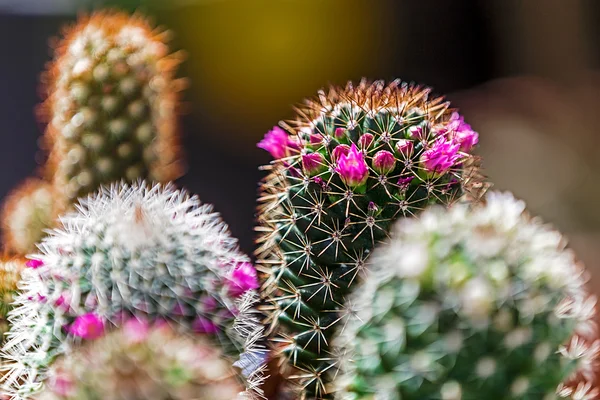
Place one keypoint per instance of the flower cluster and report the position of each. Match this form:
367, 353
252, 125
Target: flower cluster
130, 251
143, 361
471, 302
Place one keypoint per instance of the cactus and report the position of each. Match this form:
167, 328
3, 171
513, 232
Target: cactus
10, 273
353, 161
130, 250
28, 211
479, 302
111, 106
141, 361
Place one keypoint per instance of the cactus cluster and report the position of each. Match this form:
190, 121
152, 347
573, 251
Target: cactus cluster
111, 105
479, 302
143, 361
130, 250
27, 212
354, 160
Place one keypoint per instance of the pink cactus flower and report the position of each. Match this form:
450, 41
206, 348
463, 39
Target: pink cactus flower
352, 168
340, 150
277, 142
339, 133
34, 263
461, 132
312, 163
365, 141
242, 279
88, 326
441, 156
384, 162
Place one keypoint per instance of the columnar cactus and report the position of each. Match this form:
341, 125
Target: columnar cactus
353, 161
129, 251
471, 303
142, 361
111, 106
28, 211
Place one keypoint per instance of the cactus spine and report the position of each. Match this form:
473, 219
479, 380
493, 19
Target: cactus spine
352, 162
10, 274
111, 108
128, 251
471, 303
142, 361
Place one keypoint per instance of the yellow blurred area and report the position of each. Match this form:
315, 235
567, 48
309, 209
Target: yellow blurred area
249, 61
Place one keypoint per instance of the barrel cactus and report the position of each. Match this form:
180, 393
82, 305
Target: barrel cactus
352, 162
111, 106
130, 250
143, 361
29, 210
471, 303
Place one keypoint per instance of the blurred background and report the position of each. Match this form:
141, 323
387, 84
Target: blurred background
524, 74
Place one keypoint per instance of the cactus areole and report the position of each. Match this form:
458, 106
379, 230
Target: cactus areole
354, 160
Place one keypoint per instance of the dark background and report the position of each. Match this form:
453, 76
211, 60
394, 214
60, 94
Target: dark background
522, 73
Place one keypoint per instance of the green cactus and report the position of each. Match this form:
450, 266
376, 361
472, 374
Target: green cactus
142, 361
131, 251
111, 105
471, 303
28, 211
354, 160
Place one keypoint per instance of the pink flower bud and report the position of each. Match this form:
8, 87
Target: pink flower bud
278, 143
316, 139
340, 150
34, 263
352, 168
339, 133
405, 182
384, 162
365, 141
405, 148
242, 279
312, 163
441, 156
88, 326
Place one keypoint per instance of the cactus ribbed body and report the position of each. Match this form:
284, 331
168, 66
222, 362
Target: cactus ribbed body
353, 161
29, 210
111, 106
465, 304
130, 251
143, 362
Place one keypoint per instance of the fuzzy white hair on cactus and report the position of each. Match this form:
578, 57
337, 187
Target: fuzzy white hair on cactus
485, 301
131, 250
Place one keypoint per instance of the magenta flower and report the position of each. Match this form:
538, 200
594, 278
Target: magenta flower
316, 139
441, 156
204, 325
404, 182
405, 148
242, 279
88, 326
340, 150
352, 168
312, 163
365, 141
384, 162
461, 132
34, 263
417, 132
277, 142
339, 133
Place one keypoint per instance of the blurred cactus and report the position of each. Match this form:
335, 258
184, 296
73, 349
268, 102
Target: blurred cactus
140, 361
111, 107
10, 274
471, 303
131, 251
353, 161
28, 211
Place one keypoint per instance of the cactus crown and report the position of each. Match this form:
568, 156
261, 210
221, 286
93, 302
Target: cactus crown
29, 210
111, 106
140, 361
353, 161
130, 250
467, 304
